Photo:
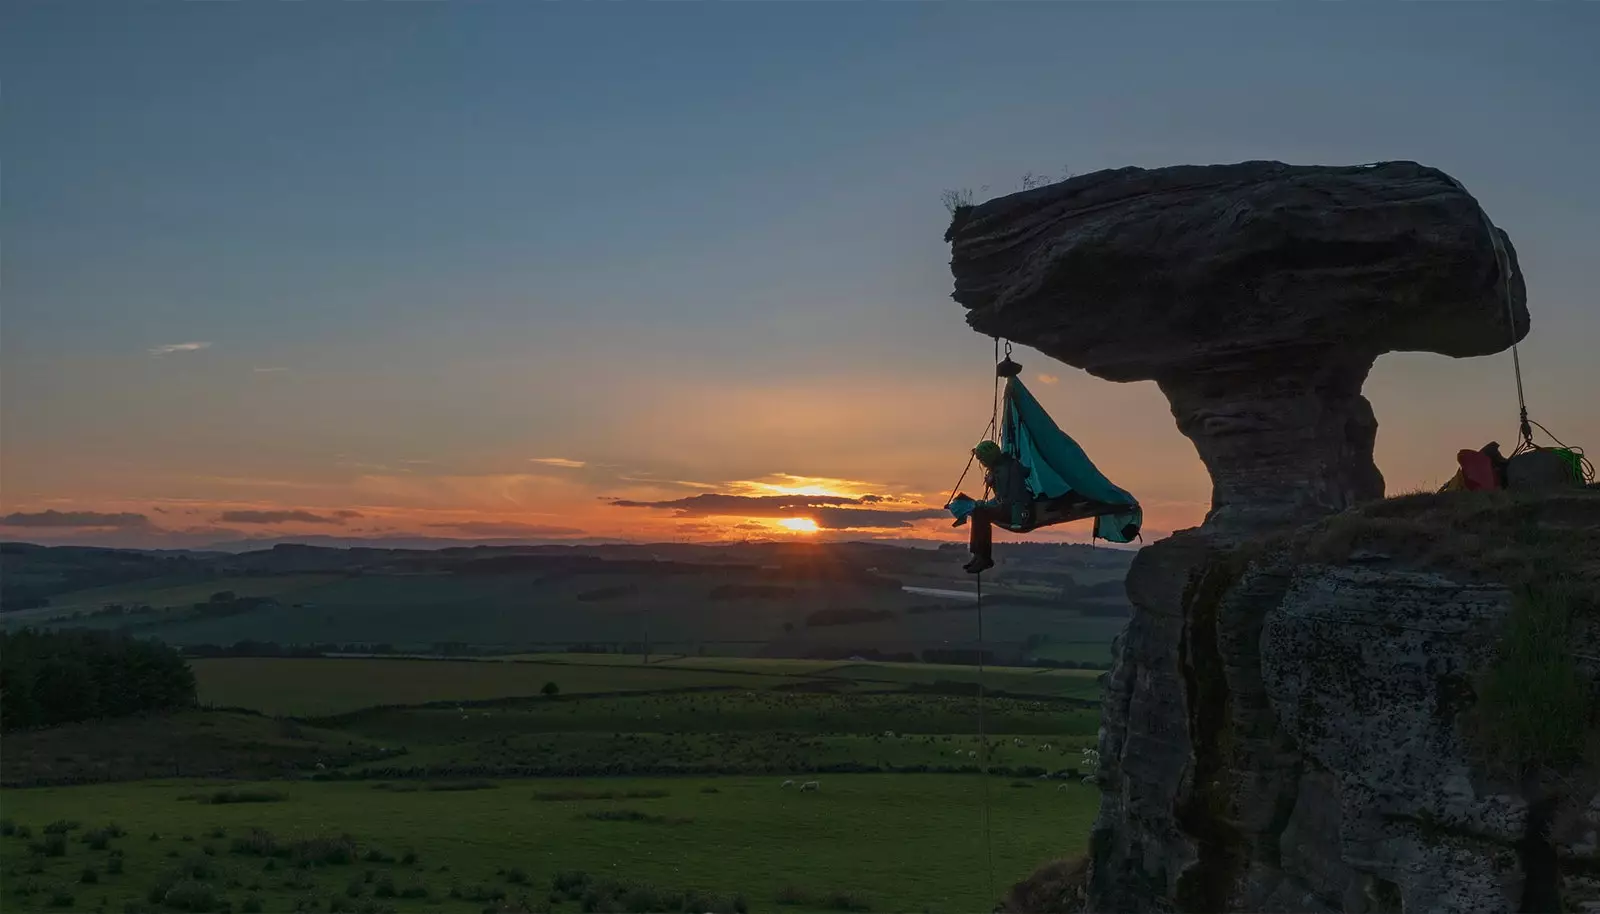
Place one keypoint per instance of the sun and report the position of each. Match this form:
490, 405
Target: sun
799, 524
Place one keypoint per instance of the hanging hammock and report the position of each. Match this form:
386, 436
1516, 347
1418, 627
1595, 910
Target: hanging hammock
1065, 485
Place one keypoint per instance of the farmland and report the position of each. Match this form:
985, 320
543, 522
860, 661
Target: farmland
509, 746
828, 602
314, 687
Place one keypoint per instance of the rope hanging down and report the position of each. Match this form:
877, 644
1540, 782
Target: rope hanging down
983, 730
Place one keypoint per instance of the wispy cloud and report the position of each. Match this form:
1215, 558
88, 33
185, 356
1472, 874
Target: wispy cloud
506, 529
170, 348
1047, 378
558, 462
285, 517
831, 512
273, 369
54, 518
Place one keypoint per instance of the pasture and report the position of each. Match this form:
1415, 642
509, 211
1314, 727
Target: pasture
862, 842
316, 687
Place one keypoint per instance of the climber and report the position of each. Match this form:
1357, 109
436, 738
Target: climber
1007, 478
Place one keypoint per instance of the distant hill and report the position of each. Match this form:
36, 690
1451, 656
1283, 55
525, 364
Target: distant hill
1062, 602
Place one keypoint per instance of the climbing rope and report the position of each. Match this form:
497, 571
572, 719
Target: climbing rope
983, 730
1525, 426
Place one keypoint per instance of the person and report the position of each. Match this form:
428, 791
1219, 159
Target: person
1007, 478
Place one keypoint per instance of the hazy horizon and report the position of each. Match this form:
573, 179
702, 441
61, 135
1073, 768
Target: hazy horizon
676, 271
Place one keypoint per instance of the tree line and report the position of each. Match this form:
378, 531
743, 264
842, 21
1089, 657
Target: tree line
56, 677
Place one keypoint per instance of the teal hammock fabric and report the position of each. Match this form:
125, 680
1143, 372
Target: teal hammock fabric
1058, 467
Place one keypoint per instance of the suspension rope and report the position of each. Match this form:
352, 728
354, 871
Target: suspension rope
1502, 263
983, 729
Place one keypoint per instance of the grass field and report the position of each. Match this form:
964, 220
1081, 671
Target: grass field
879, 842
320, 686
167, 594
330, 686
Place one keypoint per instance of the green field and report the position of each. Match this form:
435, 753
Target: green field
327, 686
323, 686
167, 594
895, 842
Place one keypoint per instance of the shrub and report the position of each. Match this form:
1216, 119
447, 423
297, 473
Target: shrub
52, 846
24, 831
27, 888
416, 890
516, 876
218, 833
114, 865
709, 789
61, 898
98, 840
570, 883
462, 785
633, 815
222, 797
189, 895
60, 827
373, 855
845, 901
88, 876
355, 888
7, 828
258, 842
385, 888
324, 851
1535, 708
251, 905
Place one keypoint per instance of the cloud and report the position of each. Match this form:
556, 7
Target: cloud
869, 518
170, 348
275, 369
506, 528
284, 517
347, 514
557, 462
54, 518
1046, 378
831, 512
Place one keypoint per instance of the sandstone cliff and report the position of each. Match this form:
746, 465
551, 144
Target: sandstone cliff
1305, 714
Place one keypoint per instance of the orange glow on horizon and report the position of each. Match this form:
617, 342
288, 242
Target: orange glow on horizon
799, 524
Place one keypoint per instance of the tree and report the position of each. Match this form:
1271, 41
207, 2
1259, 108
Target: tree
550, 690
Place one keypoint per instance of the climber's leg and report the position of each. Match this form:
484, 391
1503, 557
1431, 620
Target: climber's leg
981, 541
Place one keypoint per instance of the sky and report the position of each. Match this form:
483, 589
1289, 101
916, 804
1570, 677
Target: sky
676, 271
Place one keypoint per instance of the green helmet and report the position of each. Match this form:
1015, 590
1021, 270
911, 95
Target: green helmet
987, 452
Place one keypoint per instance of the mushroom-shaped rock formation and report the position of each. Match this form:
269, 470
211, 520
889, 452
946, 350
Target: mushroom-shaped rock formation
1257, 295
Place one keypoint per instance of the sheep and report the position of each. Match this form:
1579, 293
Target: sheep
889, 734
321, 767
810, 785
1063, 786
787, 784
972, 753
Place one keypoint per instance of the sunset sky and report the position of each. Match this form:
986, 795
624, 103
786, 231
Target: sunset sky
676, 271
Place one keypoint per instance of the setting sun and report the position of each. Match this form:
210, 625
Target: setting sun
799, 524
